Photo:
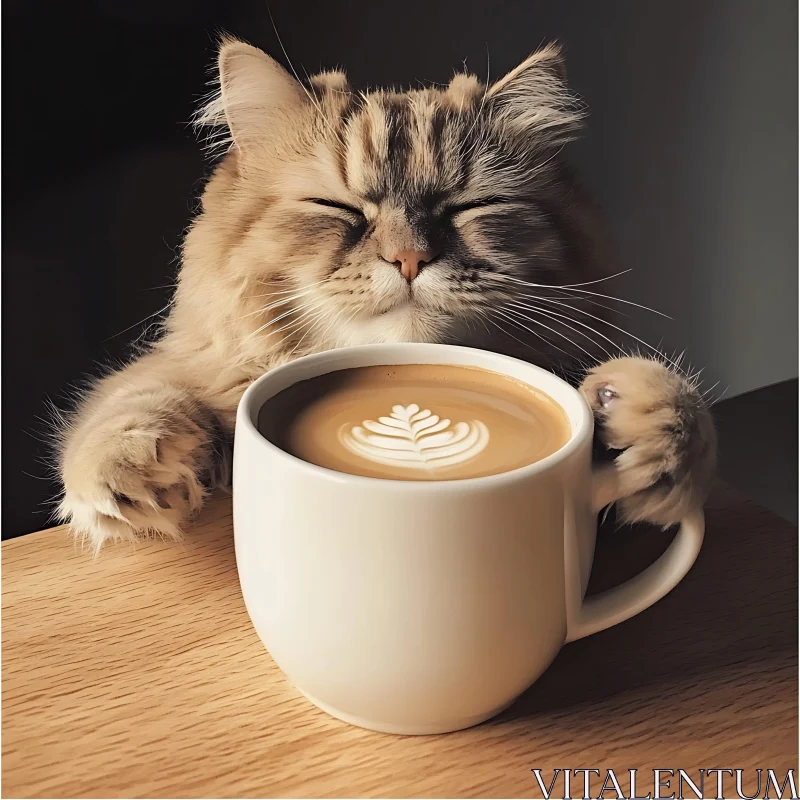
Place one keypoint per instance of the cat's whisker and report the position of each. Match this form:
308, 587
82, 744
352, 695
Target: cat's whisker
276, 304
334, 319
554, 314
589, 283
295, 324
324, 331
576, 285
289, 312
149, 316
617, 300
516, 323
506, 310
312, 311
565, 296
357, 310
287, 291
533, 285
515, 338
556, 317
310, 324
302, 310
289, 299
481, 316
556, 292
651, 349
292, 328
572, 356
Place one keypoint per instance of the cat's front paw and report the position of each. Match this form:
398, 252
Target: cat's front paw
664, 434
137, 474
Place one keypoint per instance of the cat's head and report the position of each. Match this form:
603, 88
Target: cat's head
386, 215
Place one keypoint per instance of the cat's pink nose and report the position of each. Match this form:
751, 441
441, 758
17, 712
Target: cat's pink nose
410, 262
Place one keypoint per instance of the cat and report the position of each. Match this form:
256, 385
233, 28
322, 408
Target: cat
338, 218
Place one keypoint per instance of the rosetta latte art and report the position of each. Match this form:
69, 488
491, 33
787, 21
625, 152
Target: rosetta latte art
416, 439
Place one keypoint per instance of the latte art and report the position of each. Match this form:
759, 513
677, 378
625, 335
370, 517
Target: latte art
415, 422
416, 439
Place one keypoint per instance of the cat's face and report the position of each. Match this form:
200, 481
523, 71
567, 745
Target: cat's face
395, 216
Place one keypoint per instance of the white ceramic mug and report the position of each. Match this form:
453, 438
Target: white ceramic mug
420, 607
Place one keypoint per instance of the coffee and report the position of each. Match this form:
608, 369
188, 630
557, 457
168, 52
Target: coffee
415, 422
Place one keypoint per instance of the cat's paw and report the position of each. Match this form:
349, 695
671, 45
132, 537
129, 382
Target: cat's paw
655, 422
140, 473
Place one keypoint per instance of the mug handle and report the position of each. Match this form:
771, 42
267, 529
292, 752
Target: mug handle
611, 607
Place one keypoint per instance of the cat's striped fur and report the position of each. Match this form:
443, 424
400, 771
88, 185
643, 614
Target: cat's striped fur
292, 253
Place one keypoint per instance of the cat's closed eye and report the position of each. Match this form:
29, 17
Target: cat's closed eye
352, 210
460, 208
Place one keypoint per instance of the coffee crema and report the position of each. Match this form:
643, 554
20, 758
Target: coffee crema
415, 422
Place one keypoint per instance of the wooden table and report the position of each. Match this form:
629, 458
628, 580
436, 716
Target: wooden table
139, 675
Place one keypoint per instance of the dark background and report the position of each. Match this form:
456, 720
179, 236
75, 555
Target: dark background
102, 172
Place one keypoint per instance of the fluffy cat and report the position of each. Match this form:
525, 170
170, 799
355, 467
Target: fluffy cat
337, 218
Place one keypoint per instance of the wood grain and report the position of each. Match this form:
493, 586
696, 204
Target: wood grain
139, 675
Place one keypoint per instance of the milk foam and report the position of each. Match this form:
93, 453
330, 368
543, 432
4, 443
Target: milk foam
415, 439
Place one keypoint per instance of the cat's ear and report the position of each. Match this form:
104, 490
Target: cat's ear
534, 98
463, 90
333, 80
256, 95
